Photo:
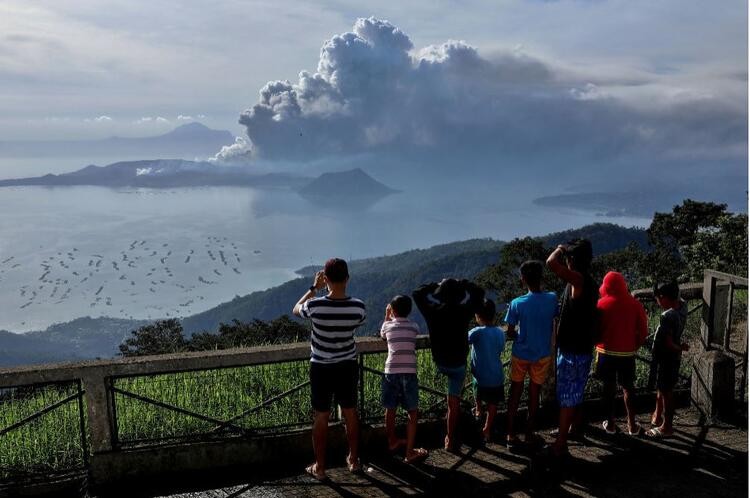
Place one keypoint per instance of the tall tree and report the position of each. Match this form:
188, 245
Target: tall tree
160, 337
695, 236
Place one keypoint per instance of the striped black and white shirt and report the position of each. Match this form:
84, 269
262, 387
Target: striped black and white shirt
333, 325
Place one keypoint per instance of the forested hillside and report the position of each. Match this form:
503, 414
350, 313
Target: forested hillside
375, 280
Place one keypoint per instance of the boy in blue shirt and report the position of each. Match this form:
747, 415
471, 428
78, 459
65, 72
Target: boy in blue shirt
487, 344
533, 314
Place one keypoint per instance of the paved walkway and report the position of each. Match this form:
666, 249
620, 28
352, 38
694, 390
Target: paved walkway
698, 461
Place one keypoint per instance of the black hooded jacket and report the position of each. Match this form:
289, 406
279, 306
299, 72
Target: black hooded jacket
448, 323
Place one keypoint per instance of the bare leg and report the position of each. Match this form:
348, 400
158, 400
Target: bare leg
491, 412
319, 437
567, 414
658, 410
610, 395
412, 453
626, 396
390, 429
453, 411
352, 433
534, 390
668, 403
516, 389
411, 431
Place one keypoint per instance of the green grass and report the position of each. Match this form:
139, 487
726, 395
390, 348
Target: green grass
49, 443
221, 394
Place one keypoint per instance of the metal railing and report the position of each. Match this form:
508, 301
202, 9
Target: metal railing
131, 403
42, 430
209, 404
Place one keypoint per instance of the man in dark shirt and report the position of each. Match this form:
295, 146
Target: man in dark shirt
575, 333
448, 313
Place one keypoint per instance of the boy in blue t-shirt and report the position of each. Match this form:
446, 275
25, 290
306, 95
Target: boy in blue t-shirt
487, 344
533, 314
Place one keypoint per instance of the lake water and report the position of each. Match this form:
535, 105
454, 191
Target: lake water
67, 252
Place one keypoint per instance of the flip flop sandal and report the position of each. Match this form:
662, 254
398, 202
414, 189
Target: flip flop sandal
421, 454
354, 468
610, 428
639, 431
513, 443
657, 433
311, 472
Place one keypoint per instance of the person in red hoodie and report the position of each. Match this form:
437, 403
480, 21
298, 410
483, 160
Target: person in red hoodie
623, 329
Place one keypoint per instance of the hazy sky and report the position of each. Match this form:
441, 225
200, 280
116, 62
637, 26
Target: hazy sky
92, 68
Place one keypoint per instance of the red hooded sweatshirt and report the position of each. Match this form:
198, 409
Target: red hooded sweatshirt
623, 322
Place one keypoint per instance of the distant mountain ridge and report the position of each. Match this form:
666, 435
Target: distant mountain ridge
352, 189
163, 173
375, 280
186, 141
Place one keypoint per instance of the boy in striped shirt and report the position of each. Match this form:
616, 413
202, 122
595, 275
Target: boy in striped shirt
399, 386
333, 359
400, 380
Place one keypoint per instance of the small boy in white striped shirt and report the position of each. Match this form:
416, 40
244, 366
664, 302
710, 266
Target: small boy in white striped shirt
399, 385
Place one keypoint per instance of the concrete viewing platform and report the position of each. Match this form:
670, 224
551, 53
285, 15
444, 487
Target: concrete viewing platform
697, 461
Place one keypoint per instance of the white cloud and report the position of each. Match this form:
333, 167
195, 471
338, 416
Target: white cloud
374, 92
182, 117
151, 119
133, 56
98, 119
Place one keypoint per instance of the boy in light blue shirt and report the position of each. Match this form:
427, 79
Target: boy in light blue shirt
530, 320
487, 344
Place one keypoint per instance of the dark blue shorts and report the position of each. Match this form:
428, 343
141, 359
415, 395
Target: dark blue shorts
667, 373
456, 377
400, 390
572, 375
612, 369
333, 381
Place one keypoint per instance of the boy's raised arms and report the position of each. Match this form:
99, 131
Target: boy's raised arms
318, 283
559, 268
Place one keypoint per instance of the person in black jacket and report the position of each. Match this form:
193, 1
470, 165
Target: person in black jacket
448, 308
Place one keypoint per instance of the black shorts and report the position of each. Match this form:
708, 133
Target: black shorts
489, 395
667, 374
620, 369
329, 381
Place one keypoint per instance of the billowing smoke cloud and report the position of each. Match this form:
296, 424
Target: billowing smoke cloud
374, 92
239, 152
